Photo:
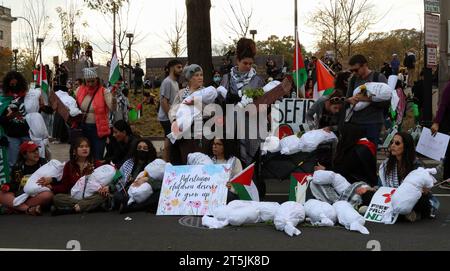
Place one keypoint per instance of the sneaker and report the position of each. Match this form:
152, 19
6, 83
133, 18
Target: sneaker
445, 186
413, 216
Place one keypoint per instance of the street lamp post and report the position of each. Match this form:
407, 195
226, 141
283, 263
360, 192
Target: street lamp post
32, 36
15, 51
253, 33
129, 36
40, 41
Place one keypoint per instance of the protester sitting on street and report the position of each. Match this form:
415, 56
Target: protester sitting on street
223, 152
442, 125
28, 163
324, 114
355, 156
81, 164
243, 76
143, 153
96, 103
401, 161
119, 147
12, 114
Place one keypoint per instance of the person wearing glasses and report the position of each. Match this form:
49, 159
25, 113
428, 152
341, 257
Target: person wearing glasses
96, 103
324, 114
401, 161
370, 119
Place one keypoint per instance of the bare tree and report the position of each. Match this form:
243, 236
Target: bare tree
239, 23
357, 16
176, 37
35, 11
328, 20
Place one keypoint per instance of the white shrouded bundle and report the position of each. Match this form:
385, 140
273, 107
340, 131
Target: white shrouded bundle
410, 191
31, 101
271, 85
271, 144
288, 216
154, 170
239, 212
38, 131
290, 145
324, 177
139, 194
101, 177
247, 100
321, 213
312, 139
199, 159
69, 102
349, 217
208, 95
380, 92
222, 91
52, 169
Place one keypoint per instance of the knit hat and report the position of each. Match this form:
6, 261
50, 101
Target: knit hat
190, 70
90, 73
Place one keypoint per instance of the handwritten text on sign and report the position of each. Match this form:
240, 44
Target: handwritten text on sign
193, 190
433, 147
291, 112
380, 203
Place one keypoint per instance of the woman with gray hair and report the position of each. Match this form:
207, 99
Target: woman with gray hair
181, 148
95, 102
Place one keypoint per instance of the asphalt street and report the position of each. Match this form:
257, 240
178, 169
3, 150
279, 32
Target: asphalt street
145, 231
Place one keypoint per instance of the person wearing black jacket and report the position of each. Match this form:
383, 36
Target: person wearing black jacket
120, 144
355, 156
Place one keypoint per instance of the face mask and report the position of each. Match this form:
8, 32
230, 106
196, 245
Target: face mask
142, 155
217, 79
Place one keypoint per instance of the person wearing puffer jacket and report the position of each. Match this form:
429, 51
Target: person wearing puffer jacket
402, 160
143, 153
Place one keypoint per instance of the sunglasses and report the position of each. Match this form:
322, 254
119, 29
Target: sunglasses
336, 100
396, 143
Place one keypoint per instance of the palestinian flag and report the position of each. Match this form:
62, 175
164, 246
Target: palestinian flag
42, 80
325, 80
244, 185
299, 71
139, 111
114, 71
299, 184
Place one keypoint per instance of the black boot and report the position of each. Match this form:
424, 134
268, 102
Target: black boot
57, 211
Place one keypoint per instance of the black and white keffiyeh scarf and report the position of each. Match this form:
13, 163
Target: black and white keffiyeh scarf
240, 79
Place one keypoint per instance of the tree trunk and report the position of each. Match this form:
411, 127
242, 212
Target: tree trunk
199, 36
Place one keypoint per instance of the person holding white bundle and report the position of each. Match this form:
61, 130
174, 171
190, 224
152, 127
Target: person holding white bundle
394, 170
185, 117
143, 154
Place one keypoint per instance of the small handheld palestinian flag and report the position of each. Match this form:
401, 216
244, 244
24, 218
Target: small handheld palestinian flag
299, 185
139, 111
325, 80
244, 185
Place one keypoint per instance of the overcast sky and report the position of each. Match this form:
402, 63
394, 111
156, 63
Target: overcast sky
154, 18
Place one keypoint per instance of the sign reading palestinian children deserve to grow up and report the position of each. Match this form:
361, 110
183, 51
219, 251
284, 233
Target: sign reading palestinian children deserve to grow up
193, 190
381, 202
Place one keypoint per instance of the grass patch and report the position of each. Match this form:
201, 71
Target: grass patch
148, 125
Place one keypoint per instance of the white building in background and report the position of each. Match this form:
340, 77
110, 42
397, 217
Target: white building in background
5, 27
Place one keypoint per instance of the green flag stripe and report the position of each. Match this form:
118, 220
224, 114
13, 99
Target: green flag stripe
292, 194
328, 91
115, 76
300, 77
242, 192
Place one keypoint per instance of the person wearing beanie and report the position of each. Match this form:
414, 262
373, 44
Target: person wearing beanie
27, 164
180, 150
95, 102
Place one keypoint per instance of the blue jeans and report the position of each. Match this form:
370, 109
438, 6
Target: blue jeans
372, 132
13, 148
97, 144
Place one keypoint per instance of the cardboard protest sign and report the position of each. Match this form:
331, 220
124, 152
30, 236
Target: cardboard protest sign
292, 113
381, 202
431, 146
193, 190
